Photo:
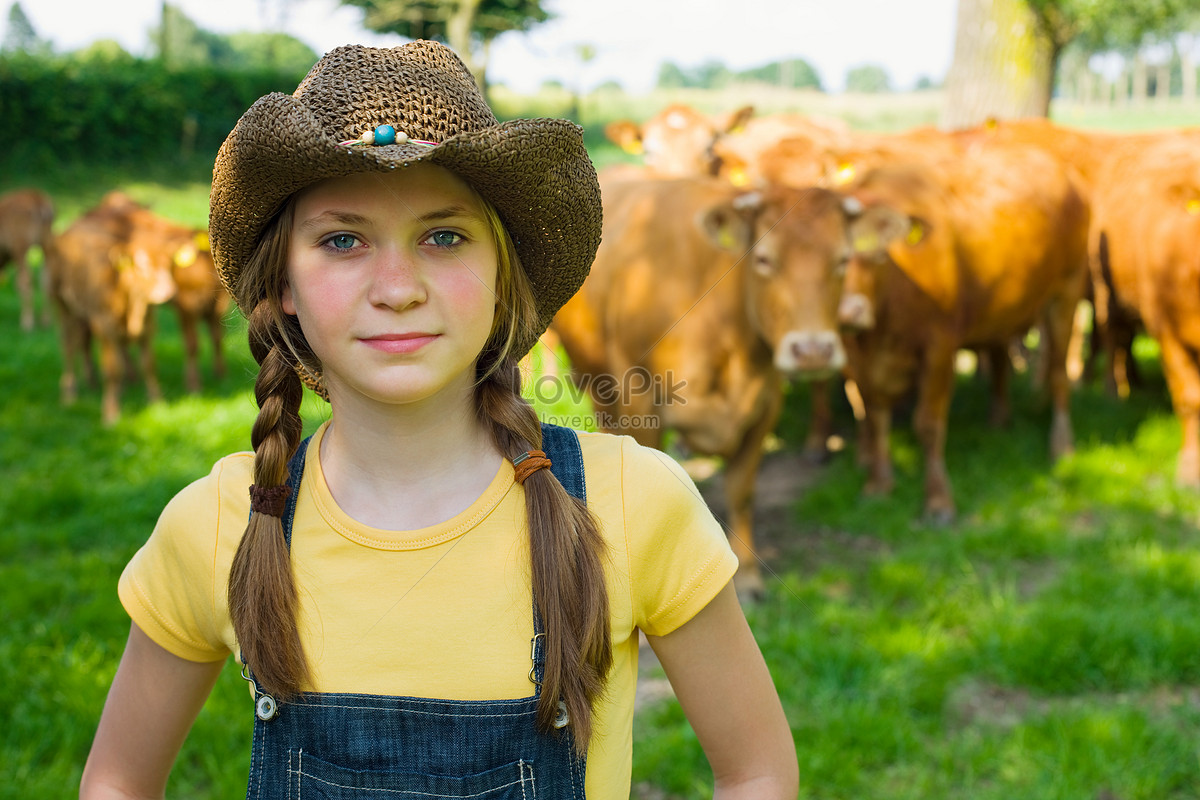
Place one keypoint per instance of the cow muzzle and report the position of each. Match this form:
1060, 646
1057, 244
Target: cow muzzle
856, 312
810, 354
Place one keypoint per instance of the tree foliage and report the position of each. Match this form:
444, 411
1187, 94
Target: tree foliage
20, 36
467, 26
186, 44
793, 73
868, 78
1100, 25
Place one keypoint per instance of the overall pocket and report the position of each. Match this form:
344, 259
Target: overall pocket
310, 777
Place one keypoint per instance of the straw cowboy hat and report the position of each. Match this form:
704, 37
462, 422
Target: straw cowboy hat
364, 109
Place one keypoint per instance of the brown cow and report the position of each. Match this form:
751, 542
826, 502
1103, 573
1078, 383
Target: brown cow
969, 255
693, 327
1145, 247
105, 290
677, 142
199, 295
26, 216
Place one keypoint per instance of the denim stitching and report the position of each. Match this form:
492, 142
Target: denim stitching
520, 780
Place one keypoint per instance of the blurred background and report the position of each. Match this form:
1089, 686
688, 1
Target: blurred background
1042, 643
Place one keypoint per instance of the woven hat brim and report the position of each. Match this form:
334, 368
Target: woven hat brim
536, 172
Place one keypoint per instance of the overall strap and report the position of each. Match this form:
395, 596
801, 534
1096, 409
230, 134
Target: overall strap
295, 472
561, 446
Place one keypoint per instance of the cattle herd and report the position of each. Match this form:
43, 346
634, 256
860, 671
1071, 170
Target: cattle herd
748, 250
103, 276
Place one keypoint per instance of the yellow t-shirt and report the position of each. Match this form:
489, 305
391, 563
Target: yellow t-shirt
445, 611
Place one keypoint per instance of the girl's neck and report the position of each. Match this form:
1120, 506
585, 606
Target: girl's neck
403, 468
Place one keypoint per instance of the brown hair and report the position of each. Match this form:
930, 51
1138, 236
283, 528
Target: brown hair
567, 550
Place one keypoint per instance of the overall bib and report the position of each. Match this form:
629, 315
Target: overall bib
342, 746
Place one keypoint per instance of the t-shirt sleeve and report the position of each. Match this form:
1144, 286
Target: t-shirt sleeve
679, 555
170, 587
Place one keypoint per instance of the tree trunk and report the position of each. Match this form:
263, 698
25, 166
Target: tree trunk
1138, 81
458, 33
1003, 64
1188, 67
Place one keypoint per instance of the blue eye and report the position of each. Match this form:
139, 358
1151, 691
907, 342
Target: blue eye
342, 241
444, 238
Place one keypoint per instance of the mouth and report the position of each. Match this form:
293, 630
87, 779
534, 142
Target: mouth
398, 342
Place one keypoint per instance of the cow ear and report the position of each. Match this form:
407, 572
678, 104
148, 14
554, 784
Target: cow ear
625, 134
728, 224
1186, 197
875, 228
734, 121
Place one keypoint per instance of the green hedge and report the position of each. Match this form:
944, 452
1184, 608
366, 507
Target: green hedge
61, 110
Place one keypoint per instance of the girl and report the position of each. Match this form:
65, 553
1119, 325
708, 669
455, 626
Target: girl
435, 596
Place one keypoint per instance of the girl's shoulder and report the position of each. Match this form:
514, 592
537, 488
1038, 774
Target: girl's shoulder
609, 456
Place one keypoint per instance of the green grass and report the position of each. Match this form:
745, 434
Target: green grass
1046, 645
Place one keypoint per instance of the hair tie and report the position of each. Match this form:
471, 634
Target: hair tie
269, 500
528, 463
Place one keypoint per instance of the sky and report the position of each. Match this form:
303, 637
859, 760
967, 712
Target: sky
909, 38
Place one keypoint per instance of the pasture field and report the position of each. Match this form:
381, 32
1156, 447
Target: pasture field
1046, 646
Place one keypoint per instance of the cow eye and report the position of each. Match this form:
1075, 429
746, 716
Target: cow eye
763, 265
839, 269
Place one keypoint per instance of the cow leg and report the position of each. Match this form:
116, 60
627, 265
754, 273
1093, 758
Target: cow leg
24, 281
877, 432
191, 351
146, 352
111, 369
999, 375
215, 334
741, 474
820, 424
929, 421
73, 341
1060, 327
1183, 381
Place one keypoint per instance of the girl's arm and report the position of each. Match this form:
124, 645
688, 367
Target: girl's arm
153, 701
722, 683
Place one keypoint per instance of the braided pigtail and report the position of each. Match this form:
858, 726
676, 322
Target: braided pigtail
568, 553
262, 593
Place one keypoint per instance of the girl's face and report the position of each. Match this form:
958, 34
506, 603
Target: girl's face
393, 279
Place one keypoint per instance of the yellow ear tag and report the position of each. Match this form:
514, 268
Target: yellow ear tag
1193, 206
124, 261
725, 238
201, 241
185, 256
916, 232
866, 242
738, 177
845, 174
633, 148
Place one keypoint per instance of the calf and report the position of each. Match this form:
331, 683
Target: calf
105, 290
677, 142
712, 296
968, 255
1145, 249
26, 216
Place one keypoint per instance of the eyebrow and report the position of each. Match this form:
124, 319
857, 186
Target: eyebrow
350, 219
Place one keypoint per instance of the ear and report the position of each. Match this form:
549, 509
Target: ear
729, 225
286, 302
873, 229
1185, 197
626, 134
734, 121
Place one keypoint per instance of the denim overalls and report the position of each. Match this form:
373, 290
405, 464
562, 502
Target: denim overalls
406, 748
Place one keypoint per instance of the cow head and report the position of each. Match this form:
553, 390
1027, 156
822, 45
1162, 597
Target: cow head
678, 141
794, 248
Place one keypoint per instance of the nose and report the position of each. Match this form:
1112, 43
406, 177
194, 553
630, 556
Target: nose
397, 281
810, 352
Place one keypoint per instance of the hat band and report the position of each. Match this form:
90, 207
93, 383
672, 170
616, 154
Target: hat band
385, 135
